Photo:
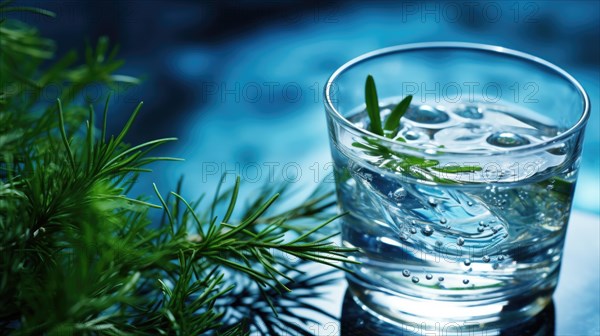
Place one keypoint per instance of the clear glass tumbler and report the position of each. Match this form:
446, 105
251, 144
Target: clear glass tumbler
461, 217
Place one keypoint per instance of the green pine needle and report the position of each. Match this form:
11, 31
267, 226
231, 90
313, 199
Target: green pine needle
63, 134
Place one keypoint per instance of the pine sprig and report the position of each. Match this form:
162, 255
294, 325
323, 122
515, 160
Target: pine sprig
80, 255
250, 242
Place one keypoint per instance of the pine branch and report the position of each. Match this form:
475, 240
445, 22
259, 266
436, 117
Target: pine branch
81, 255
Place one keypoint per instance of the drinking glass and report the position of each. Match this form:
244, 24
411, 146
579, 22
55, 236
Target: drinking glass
460, 223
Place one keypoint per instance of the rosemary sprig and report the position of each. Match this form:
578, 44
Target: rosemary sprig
410, 165
393, 121
372, 103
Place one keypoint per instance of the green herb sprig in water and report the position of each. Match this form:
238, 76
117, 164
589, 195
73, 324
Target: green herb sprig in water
392, 123
414, 166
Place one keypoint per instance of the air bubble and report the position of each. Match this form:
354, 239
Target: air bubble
495, 265
404, 236
399, 194
427, 230
486, 258
427, 115
469, 203
480, 229
413, 230
432, 201
507, 139
470, 112
441, 278
406, 273
466, 281
481, 223
467, 262
415, 279
500, 257
460, 241
443, 220
428, 276
410, 135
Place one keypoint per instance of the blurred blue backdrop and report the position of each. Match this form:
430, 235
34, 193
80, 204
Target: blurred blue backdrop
240, 82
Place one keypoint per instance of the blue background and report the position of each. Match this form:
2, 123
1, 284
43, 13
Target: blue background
240, 82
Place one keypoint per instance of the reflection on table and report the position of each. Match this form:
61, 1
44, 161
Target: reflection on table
356, 321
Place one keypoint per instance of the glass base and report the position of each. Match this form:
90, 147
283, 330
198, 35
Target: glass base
433, 317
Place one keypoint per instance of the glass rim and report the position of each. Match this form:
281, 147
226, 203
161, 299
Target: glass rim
501, 51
